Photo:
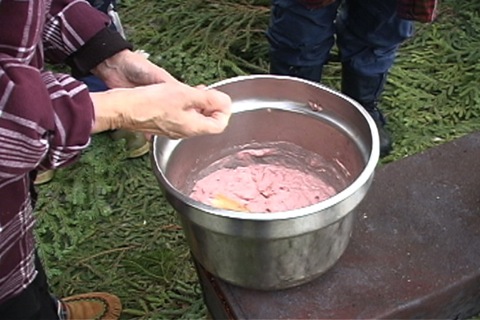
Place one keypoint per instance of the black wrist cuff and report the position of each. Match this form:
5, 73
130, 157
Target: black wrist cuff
103, 45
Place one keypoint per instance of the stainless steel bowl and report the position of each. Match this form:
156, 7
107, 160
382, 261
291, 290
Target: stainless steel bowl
269, 251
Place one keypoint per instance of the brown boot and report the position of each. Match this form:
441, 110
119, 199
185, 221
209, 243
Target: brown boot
93, 306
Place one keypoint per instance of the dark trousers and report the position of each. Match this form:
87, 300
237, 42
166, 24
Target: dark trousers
367, 32
35, 302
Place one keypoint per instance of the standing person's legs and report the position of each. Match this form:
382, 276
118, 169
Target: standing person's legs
369, 35
300, 38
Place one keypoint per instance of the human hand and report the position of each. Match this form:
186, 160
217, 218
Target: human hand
172, 109
128, 69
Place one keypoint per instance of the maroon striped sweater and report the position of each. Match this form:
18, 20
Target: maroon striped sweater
45, 118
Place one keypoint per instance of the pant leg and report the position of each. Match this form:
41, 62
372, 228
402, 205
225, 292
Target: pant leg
300, 39
369, 34
34, 303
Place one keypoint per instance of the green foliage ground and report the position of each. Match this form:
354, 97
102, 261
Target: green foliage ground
104, 224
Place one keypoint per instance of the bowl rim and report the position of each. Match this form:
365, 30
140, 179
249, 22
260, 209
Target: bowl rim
363, 178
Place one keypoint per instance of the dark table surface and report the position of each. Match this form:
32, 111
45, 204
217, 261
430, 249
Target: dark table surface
414, 251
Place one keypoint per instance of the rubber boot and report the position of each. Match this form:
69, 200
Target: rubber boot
312, 73
366, 90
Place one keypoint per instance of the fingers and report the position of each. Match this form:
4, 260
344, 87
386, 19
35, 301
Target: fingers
201, 112
215, 113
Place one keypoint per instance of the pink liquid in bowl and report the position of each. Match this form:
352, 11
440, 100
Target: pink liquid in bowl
272, 179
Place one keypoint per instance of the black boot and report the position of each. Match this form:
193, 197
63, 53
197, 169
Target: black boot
366, 90
312, 73
384, 135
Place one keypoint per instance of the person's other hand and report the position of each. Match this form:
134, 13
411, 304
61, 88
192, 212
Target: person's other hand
172, 109
128, 69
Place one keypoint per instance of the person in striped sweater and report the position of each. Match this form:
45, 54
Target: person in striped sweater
47, 118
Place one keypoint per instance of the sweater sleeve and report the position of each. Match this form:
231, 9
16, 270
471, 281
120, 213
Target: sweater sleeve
45, 118
80, 35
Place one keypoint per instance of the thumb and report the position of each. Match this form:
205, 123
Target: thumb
215, 112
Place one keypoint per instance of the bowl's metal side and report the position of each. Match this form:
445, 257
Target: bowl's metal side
269, 264
269, 254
